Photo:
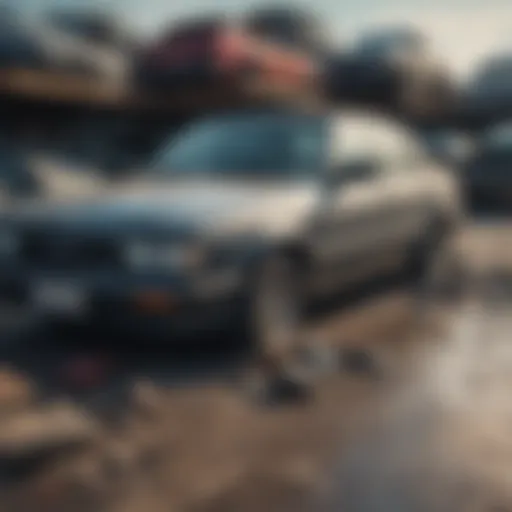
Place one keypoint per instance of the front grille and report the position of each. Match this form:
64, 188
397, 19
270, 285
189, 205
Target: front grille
60, 252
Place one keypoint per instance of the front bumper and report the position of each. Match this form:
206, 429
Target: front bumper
156, 305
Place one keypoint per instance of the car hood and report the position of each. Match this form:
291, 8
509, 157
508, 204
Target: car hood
195, 206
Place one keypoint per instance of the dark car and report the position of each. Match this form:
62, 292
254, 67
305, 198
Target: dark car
219, 52
393, 68
488, 98
488, 173
241, 220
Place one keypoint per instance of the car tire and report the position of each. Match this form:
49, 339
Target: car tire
274, 309
435, 268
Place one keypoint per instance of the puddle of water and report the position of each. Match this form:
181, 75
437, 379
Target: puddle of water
444, 442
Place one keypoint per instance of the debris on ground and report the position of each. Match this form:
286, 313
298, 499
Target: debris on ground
44, 429
201, 447
16, 391
87, 371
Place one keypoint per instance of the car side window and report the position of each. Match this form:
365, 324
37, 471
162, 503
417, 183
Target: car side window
374, 141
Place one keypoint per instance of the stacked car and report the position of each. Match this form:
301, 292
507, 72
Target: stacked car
488, 98
274, 49
82, 62
392, 68
218, 52
54, 45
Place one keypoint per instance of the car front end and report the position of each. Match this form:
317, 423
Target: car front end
175, 248
173, 285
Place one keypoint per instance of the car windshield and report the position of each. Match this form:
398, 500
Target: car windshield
250, 145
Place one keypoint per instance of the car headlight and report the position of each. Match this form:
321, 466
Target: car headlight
142, 255
9, 243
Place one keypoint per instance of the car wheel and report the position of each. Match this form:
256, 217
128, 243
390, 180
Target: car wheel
274, 309
436, 269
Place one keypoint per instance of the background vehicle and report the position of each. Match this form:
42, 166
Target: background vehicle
223, 53
244, 216
41, 44
392, 68
26, 173
95, 27
488, 98
488, 173
448, 145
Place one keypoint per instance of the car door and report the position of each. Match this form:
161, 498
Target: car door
411, 183
355, 210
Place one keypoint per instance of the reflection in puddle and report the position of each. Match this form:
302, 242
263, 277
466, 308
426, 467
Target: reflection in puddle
444, 443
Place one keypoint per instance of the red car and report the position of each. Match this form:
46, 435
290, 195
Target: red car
215, 52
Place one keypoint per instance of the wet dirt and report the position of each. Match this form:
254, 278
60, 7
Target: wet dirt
181, 432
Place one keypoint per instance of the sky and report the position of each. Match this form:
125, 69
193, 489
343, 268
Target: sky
463, 32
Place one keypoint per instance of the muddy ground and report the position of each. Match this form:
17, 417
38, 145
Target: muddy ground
170, 431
